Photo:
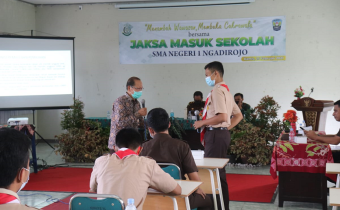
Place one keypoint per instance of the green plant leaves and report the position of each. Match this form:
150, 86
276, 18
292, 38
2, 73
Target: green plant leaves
84, 140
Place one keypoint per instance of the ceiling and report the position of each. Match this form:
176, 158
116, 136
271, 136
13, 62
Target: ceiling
84, 1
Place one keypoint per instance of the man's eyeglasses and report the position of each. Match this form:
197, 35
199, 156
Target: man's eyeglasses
139, 89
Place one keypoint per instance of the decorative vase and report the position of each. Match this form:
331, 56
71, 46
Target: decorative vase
293, 125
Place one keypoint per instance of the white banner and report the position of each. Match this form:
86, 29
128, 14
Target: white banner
203, 41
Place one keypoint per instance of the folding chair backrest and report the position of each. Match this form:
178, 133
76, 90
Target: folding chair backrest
85, 201
172, 169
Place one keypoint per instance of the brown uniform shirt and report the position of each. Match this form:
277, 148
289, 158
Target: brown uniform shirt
13, 206
192, 106
164, 149
221, 101
129, 177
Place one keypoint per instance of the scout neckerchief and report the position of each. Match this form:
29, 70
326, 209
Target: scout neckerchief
124, 152
6, 198
203, 130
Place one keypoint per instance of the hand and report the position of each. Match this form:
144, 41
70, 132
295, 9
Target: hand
311, 134
200, 192
198, 124
143, 111
92, 191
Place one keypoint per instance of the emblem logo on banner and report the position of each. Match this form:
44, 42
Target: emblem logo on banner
277, 24
127, 29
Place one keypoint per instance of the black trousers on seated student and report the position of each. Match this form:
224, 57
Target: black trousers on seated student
216, 146
197, 201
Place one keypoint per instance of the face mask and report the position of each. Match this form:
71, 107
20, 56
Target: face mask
24, 184
210, 82
237, 102
136, 94
197, 102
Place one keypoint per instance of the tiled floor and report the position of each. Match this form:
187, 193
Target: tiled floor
41, 199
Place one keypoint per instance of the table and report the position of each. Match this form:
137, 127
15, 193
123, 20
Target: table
302, 170
334, 195
188, 187
334, 168
213, 164
29, 130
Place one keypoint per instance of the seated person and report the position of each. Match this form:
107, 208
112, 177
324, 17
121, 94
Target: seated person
197, 104
330, 140
164, 149
127, 175
238, 97
14, 167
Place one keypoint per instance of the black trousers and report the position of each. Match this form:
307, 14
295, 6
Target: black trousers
216, 146
197, 201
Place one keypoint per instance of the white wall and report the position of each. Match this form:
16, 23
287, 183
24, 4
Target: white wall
312, 55
16, 16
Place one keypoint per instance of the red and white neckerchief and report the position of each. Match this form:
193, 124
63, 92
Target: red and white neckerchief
203, 129
124, 152
6, 198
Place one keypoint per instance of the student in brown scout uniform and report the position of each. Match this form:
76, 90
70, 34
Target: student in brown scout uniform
14, 168
220, 106
127, 175
165, 149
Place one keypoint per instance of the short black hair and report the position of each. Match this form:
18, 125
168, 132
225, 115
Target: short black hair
215, 66
198, 93
128, 138
337, 103
14, 154
238, 94
158, 120
131, 82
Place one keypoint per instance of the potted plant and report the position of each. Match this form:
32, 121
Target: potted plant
83, 140
250, 144
290, 118
299, 92
253, 138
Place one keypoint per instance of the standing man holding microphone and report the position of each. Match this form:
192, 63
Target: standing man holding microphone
126, 111
219, 107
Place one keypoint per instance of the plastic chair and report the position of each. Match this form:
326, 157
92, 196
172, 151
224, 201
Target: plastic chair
172, 169
175, 172
84, 201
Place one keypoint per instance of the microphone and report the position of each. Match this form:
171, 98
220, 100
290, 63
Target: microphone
143, 103
311, 91
197, 119
143, 106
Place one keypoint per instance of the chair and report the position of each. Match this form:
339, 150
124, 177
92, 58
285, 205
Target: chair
172, 169
175, 172
84, 201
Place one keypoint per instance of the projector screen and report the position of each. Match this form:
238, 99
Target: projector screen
36, 72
